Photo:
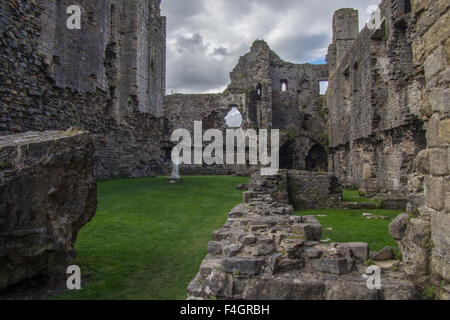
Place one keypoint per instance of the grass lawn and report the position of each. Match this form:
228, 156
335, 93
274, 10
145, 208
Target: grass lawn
148, 238
351, 226
353, 196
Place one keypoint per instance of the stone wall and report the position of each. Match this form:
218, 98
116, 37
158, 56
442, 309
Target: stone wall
47, 194
107, 78
302, 189
374, 124
263, 252
256, 89
424, 237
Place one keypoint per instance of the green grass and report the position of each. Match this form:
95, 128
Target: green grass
351, 226
148, 238
353, 196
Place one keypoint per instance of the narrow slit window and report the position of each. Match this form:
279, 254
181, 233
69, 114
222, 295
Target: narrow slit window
284, 85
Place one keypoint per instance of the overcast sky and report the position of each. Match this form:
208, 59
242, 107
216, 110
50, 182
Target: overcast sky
205, 38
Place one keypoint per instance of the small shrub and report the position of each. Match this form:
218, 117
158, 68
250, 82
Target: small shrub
429, 293
369, 262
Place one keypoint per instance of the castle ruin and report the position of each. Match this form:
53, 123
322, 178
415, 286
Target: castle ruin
383, 127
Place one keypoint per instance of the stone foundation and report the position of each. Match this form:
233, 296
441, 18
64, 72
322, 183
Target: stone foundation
47, 194
265, 252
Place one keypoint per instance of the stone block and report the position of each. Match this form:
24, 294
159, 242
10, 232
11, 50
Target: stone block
444, 131
350, 289
439, 99
215, 248
385, 254
397, 227
360, 250
40, 223
242, 266
232, 250
333, 265
422, 162
435, 192
440, 234
439, 162
434, 63
283, 289
441, 267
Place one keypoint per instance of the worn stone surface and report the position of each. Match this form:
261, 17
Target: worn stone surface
47, 194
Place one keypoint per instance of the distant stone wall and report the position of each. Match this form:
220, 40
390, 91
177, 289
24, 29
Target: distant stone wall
374, 125
47, 194
424, 236
302, 189
107, 78
182, 110
270, 94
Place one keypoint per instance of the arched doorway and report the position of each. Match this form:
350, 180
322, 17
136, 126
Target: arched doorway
287, 155
317, 159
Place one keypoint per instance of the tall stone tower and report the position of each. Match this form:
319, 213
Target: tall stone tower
345, 32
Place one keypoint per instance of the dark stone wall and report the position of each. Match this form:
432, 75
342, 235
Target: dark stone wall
55, 78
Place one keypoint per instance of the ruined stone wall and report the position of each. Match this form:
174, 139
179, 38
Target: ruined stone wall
302, 189
257, 82
101, 78
265, 252
182, 110
374, 126
423, 235
47, 194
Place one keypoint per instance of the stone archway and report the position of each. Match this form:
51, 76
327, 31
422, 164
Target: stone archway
317, 159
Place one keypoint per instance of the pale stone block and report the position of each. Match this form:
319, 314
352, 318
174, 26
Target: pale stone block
434, 192
439, 99
438, 161
434, 63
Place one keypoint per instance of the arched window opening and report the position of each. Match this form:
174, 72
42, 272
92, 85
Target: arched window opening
234, 117
284, 85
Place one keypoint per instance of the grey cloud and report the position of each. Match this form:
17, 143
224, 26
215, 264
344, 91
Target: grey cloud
301, 47
206, 37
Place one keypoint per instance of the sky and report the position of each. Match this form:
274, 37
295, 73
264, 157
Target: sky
205, 38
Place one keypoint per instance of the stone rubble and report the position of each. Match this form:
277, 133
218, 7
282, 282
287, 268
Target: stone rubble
264, 251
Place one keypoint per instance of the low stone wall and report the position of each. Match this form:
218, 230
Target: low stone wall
47, 194
264, 252
302, 189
